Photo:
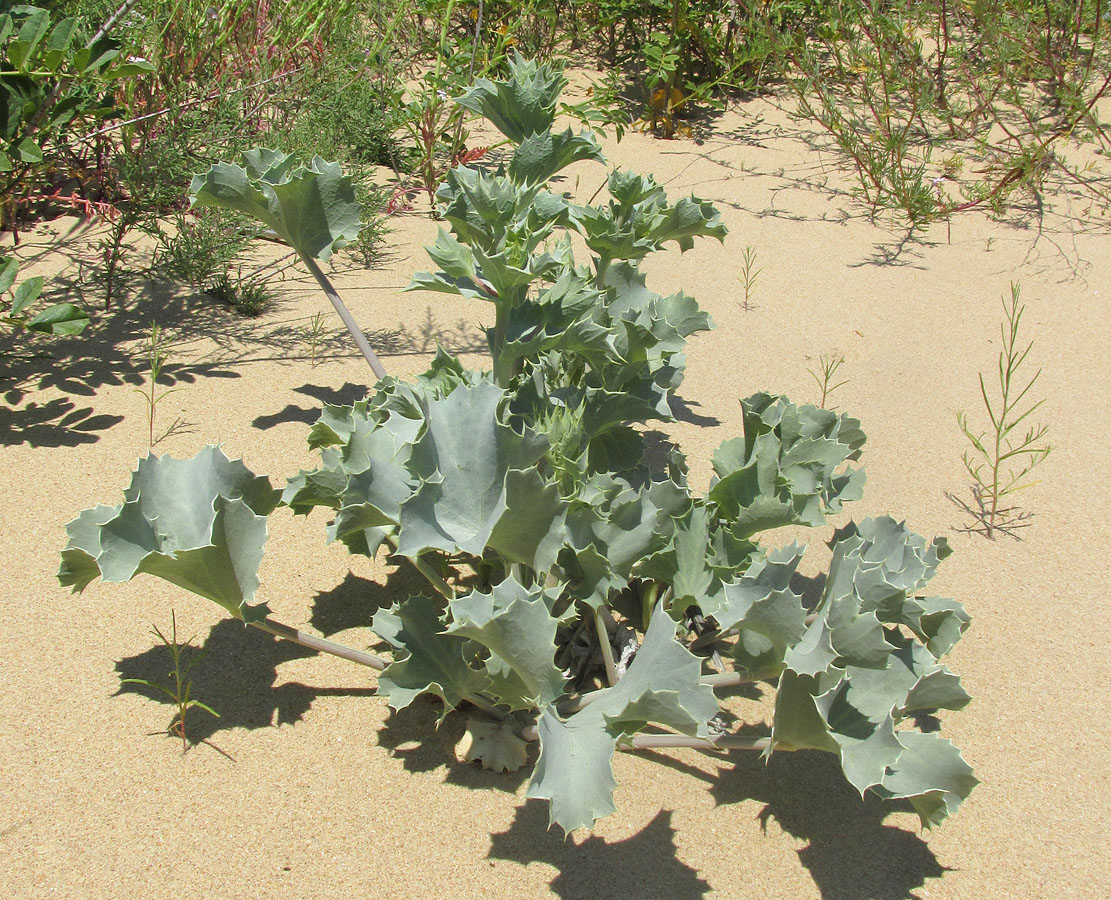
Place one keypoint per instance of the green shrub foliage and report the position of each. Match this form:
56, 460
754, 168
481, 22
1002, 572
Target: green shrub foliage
582, 594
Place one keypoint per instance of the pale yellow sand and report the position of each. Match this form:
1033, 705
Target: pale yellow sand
319, 802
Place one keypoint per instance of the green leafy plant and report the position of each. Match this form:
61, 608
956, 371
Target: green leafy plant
1001, 459
749, 273
247, 296
50, 89
829, 366
15, 299
580, 593
200, 247
157, 354
181, 689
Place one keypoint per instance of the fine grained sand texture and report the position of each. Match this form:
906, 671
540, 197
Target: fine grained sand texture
320, 792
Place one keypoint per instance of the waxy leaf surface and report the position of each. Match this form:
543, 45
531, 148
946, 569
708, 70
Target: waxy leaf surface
198, 523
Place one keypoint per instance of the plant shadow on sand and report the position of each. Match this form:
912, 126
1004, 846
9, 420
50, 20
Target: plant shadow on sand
850, 853
644, 866
353, 602
236, 677
308, 415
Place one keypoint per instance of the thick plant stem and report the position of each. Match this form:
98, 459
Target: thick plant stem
660, 741
648, 603
345, 315
270, 626
726, 679
485, 705
604, 643
442, 587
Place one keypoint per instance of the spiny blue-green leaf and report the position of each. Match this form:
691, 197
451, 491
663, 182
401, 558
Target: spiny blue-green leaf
766, 614
430, 661
932, 774
798, 724
363, 475
610, 536
540, 155
882, 562
313, 208
514, 623
853, 677
787, 468
462, 460
198, 523
533, 528
521, 105
639, 219
683, 563
575, 771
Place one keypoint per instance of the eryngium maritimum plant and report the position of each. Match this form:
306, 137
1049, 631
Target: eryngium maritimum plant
581, 595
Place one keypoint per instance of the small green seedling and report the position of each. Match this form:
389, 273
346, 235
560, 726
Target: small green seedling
157, 354
313, 332
749, 275
999, 463
182, 686
830, 365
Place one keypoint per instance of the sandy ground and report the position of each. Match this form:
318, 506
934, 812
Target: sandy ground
322, 793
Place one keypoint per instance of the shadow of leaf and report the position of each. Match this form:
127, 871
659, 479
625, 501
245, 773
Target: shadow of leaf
308, 415
353, 602
56, 423
644, 866
235, 676
851, 854
683, 410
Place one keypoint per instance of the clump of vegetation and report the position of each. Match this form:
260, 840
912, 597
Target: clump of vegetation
247, 296
200, 247
580, 594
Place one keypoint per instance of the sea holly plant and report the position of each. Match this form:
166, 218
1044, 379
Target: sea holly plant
581, 595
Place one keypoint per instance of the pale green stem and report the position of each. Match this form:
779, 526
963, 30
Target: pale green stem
726, 679
648, 603
323, 645
345, 316
444, 589
604, 643
485, 705
655, 741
